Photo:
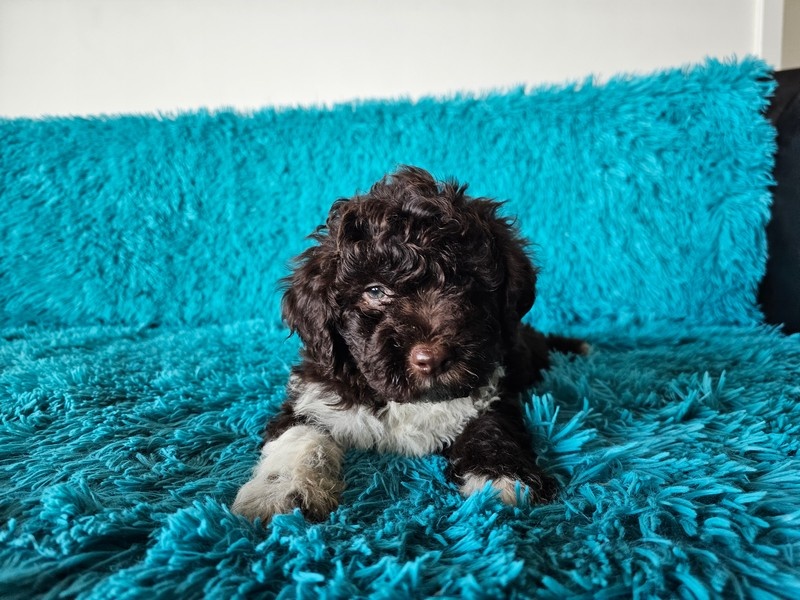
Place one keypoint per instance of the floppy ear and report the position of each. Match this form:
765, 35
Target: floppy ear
519, 281
308, 307
520, 274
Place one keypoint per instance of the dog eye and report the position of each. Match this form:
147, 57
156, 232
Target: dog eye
376, 294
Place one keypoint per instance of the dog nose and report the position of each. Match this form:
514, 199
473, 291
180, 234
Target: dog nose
428, 359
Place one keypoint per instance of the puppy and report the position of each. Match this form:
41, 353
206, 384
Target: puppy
409, 309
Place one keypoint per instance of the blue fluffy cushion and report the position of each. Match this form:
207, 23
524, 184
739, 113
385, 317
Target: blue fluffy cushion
646, 198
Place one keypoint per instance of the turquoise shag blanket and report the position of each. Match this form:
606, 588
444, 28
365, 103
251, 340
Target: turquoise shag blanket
141, 350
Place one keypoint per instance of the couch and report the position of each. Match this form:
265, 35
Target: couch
141, 348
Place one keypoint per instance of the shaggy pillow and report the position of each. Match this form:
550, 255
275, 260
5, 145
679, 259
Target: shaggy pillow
646, 198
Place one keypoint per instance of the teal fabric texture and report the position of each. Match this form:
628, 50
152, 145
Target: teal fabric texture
645, 197
141, 349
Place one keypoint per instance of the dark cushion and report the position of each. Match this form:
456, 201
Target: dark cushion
779, 294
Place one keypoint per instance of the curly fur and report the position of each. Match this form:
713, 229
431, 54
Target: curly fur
409, 307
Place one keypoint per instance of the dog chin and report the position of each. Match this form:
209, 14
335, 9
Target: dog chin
437, 389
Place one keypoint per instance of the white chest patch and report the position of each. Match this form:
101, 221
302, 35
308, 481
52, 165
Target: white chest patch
414, 428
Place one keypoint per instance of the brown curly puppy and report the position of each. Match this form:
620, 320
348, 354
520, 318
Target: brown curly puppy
409, 310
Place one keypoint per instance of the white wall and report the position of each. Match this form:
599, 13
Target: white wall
109, 56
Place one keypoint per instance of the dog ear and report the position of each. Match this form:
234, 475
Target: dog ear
520, 274
308, 307
519, 280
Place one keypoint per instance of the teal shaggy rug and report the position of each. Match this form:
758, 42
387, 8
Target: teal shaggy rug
141, 350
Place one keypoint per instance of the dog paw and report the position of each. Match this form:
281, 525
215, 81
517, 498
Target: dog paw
510, 490
300, 469
263, 498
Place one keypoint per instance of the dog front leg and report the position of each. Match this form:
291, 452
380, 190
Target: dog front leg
301, 468
496, 448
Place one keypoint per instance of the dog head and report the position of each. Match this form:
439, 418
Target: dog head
413, 290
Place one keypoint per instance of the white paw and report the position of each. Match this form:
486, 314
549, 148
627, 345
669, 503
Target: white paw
265, 498
511, 491
299, 469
